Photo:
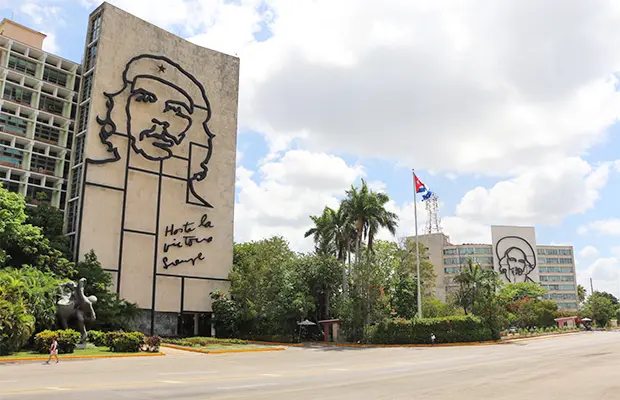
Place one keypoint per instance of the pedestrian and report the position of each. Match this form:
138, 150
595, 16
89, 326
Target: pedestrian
53, 350
432, 339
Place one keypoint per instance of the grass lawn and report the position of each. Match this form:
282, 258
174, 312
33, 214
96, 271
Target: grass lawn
89, 351
217, 346
209, 344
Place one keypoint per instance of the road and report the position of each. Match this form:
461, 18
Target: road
583, 366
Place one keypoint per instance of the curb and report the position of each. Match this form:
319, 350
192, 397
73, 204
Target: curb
540, 337
356, 345
70, 357
172, 346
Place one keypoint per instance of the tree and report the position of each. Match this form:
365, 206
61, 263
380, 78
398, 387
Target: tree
581, 293
27, 298
599, 307
475, 284
50, 220
113, 313
24, 244
521, 290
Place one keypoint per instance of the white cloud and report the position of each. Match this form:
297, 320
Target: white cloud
605, 274
610, 227
452, 87
588, 252
286, 192
541, 195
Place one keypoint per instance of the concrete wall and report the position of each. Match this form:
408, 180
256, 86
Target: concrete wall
435, 243
22, 33
514, 253
159, 188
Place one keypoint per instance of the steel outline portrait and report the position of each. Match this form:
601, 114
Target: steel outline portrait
158, 141
515, 260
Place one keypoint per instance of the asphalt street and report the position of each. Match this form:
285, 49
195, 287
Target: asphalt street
583, 366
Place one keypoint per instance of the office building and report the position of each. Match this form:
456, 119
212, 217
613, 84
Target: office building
513, 253
138, 146
37, 109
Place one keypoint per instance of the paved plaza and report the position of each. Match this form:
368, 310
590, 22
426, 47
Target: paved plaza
584, 365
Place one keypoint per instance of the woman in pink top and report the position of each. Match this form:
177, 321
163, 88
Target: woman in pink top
53, 351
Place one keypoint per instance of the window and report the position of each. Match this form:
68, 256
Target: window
559, 287
452, 270
40, 194
555, 252
46, 133
463, 260
79, 149
91, 57
11, 186
567, 306
557, 278
51, 105
54, 76
565, 270
17, 94
72, 216
10, 156
95, 26
13, 124
560, 296
42, 164
88, 86
25, 66
449, 252
76, 180
84, 111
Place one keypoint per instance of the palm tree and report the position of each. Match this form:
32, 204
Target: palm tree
332, 234
474, 282
581, 293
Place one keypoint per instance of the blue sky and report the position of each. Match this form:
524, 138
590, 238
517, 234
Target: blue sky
504, 128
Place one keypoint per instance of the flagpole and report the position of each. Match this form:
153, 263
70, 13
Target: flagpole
417, 246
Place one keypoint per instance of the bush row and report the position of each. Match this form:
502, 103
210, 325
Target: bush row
120, 342
203, 341
418, 331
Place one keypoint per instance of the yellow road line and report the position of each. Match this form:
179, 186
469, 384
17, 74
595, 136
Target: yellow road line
203, 351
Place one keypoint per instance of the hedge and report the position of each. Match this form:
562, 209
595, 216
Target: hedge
418, 331
67, 341
97, 338
125, 342
203, 341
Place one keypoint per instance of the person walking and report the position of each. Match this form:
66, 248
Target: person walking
53, 351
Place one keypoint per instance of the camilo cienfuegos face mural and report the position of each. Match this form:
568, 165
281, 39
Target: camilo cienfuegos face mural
517, 259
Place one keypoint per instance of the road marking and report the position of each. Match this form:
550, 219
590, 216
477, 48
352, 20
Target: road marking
56, 388
271, 375
171, 382
246, 386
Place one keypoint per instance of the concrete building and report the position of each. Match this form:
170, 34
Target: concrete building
37, 109
138, 146
153, 169
514, 254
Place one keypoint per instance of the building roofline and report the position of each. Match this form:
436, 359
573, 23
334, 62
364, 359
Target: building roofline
4, 20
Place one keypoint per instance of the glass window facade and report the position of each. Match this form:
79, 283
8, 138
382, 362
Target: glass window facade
557, 278
42, 164
565, 270
46, 133
17, 94
463, 260
22, 65
554, 252
13, 124
54, 76
51, 105
555, 260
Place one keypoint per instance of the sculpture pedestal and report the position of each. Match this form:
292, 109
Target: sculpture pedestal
81, 346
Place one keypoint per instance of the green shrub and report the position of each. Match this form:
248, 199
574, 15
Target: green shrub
203, 341
67, 340
97, 338
125, 342
152, 343
418, 331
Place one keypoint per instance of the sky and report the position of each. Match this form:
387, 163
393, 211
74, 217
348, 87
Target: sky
507, 110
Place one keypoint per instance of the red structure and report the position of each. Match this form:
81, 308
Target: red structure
335, 325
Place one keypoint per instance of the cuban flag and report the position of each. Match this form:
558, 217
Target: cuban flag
421, 188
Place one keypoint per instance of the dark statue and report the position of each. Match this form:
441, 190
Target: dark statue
74, 304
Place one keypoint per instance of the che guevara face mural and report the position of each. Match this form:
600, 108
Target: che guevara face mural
516, 259
164, 113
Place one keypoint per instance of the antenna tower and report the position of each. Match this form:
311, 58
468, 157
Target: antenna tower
433, 221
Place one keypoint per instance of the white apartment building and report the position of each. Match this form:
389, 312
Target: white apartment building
38, 102
514, 254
